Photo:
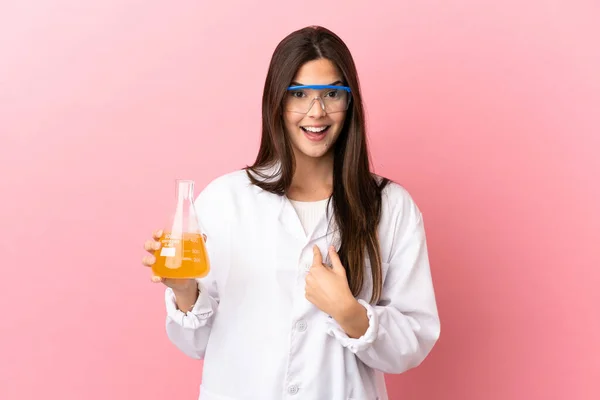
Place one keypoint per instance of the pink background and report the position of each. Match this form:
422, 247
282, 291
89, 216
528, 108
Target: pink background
488, 112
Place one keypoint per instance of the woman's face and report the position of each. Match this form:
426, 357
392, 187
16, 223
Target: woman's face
313, 133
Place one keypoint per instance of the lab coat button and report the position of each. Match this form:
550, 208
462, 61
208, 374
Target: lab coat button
293, 389
301, 326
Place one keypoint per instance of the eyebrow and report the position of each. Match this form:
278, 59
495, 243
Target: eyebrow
338, 82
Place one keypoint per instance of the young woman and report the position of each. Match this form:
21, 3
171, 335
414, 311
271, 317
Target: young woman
320, 279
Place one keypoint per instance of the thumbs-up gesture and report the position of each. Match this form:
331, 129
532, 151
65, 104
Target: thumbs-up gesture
327, 288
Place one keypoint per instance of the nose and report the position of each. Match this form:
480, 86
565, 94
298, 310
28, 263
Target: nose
317, 108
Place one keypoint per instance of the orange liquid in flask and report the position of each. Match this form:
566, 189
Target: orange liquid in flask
181, 256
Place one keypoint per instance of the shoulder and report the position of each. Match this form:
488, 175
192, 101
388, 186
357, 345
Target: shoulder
221, 197
219, 191
232, 182
401, 221
398, 205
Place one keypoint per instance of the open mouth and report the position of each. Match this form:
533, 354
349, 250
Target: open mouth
315, 130
315, 133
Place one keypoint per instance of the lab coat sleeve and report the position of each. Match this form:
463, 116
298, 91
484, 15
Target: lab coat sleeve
189, 331
404, 325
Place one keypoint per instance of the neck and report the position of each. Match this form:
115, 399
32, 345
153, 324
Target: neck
313, 178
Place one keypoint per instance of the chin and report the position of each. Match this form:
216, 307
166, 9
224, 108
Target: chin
315, 153
315, 148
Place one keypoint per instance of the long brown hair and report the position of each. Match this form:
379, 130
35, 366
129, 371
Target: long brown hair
356, 191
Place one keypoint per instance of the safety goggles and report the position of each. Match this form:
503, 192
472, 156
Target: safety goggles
333, 98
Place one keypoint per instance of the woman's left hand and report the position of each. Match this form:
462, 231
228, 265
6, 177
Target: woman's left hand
327, 288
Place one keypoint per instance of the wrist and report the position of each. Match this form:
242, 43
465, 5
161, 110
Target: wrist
348, 311
186, 297
352, 318
186, 290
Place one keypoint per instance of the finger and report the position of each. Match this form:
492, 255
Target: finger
149, 260
308, 296
336, 263
151, 245
309, 279
157, 234
317, 257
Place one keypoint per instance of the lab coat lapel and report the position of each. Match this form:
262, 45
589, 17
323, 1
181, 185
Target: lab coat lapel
326, 233
326, 224
289, 220
287, 217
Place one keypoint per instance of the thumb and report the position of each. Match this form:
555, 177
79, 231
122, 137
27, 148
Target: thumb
317, 257
336, 263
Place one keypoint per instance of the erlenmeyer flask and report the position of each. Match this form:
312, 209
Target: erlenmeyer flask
183, 253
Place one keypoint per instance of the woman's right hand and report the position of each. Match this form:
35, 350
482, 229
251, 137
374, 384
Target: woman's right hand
179, 286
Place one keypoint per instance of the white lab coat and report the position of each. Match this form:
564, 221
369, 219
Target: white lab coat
259, 336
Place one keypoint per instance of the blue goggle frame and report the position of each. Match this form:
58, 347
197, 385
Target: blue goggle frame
345, 88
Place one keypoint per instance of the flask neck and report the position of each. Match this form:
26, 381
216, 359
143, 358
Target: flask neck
185, 190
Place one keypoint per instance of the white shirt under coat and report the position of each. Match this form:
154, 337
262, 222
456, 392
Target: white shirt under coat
259, 336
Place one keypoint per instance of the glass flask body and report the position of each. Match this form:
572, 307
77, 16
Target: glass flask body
182, 254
